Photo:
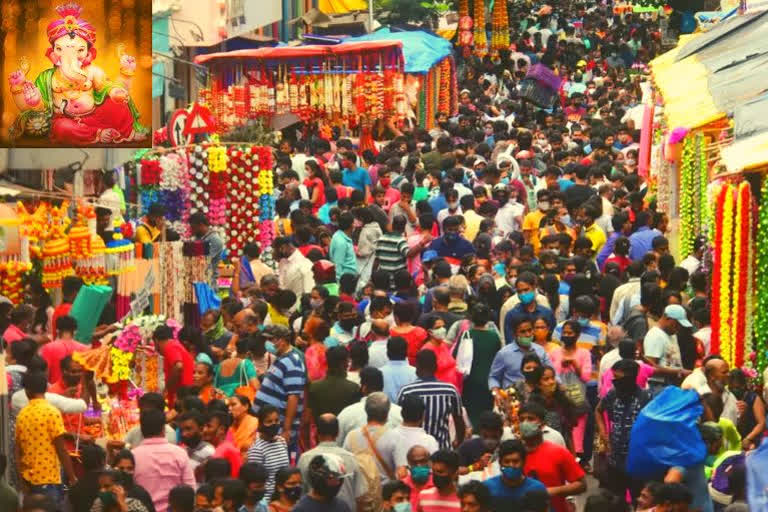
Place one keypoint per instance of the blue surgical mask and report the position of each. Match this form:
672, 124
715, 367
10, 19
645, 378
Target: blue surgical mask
566, 220
526, 297
420, 474
583, 321
511, 473
404, 506
270, 347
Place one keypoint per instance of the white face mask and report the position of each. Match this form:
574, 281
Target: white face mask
631, 162
544, 205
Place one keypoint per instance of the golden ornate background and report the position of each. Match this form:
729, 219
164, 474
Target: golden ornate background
23, 33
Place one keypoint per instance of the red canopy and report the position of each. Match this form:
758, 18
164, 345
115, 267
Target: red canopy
309, 51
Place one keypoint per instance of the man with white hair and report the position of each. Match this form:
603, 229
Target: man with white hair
376, 438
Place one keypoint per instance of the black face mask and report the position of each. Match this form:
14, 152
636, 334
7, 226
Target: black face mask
126, 479
255, 496
192, 441
348, 323
441, 481
625, 385
292, 493
324, 489
270, 431
530, 375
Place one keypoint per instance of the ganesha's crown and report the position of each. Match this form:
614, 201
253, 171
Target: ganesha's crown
69, 9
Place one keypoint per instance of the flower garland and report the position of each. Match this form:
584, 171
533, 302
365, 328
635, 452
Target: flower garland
500, 27
716, 269
687, 206
726, 283
741, 271
11, 279
481, 40
199, 177
444, 94
760, 331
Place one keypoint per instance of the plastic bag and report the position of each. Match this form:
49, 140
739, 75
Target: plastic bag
206, 297
666, 434
576, 392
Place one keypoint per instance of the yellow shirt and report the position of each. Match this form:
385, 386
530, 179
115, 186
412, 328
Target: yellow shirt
472, 222
37, 426
596, 236
531, 223
146, 234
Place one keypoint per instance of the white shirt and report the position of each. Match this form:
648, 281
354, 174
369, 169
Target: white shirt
354, 416
509, 217
377, 353
548, 434
63, 403
413, 436
295, 274
691, 264
697, 381
298, 163
606, 363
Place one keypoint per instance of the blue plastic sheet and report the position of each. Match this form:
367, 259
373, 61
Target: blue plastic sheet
206, 298
420, 49
666, 434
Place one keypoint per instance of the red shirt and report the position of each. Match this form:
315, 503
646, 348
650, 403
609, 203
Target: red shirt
430, 500
622, 261
176, 353
57, 350
415, 339
554, 466
227, 450
13, 333
61, 310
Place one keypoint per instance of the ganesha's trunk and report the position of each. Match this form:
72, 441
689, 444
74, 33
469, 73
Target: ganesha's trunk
71, 69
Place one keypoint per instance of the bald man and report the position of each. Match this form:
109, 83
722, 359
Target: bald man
712, 378
354, 489
246, 323
418, 475
379, 336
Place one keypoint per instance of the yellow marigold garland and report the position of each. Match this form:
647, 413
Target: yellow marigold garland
726, 282
481, 41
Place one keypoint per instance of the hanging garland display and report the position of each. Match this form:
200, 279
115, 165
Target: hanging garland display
480, 39
742, 272
760, 330
499, 27
687, 207
466, 38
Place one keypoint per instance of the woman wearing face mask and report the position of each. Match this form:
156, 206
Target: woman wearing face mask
112, 496
316, 182
559, 408
244, 426
751, 420
269, 449
124, 464
436, 342
572, 359
287, 493
542, 335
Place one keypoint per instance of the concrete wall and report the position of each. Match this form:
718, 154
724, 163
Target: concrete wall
36, 159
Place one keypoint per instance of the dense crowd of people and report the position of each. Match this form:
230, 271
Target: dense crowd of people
470, 318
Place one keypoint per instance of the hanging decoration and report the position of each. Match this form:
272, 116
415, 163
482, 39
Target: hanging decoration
760, 330
742, 272
687, 207
480, 39
499, 27
12, 279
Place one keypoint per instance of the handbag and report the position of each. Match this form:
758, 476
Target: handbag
576, 392
245, 389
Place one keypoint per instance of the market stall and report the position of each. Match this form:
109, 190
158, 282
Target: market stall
704, 142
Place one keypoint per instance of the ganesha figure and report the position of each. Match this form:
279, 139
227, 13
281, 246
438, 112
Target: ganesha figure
74, 103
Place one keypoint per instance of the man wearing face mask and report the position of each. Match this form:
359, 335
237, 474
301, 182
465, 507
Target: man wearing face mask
254, 476
452, 244
476, 453
621, 405
532, 220
553, 465
294, 269
510, 487
528, 307
443, 496
326, 475
662, 350
191, 428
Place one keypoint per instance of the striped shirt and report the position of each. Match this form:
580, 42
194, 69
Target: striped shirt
430, 500
201, 453
273, 455
287, 376
391, 250
441, 400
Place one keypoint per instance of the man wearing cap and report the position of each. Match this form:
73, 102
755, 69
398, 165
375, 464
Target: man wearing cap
693, 261
326, 475
662, 351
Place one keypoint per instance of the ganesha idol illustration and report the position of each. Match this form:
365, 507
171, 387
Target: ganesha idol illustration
74, 103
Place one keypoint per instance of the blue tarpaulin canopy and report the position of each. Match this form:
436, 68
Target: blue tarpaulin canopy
420, 49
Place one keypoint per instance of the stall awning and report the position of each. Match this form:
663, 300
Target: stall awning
420, 49
746, 154
300, 52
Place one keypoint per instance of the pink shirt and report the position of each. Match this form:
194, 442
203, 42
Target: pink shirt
228, 450
643, 374
582, 357
160, 466
416, 490
432, 501
57, 350
13, 333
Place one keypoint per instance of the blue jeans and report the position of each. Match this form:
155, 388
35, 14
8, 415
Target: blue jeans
54, 491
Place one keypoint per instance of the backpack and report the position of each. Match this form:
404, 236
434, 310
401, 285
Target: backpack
635, 318
366, 455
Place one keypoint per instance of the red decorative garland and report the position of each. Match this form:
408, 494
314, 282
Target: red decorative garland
745, 205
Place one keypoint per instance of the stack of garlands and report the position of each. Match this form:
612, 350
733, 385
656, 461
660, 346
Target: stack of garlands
481, 41
11, 279
243, 185
444, 92
761, 288
499, 26
466, 39
721, 276
687, 215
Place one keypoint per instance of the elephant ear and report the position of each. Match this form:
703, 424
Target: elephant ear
91, 56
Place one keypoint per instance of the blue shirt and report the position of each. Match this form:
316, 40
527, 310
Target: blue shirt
324, 212
564, 184
342, 254
506, 368
641, 241
456, 249
437, 204
504, 497
607, 249
396, 375
287, 376
357, 178
519, 312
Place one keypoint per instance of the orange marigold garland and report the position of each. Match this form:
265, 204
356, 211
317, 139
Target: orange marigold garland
444, 95
481, 40
499, 27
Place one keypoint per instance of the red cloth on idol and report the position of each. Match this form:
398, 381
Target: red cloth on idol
89, 129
